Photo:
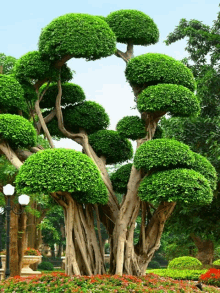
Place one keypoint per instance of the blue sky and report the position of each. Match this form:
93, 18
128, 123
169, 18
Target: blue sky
103, 80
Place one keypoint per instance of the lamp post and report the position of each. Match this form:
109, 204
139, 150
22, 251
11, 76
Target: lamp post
23, 200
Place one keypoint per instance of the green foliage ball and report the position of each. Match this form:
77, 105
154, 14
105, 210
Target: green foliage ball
71, 94
162, 153
154, 265
68, 170
120, 178
30, 94
133, 26
31, 66
87, 115
177, 185
111, 145
46, 266
79, 35
216, 262
11, 94
153, 68
17, 131
131, 127
184, 263
203, 166
172, 98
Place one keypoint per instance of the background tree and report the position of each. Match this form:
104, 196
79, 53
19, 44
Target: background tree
200, 133
79, 182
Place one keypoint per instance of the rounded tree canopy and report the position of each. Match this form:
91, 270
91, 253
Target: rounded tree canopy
163, 153
133, 26
11, 94
111, 145
62, 170
153, 68
29, 91
71, 94
79, 35
203, 166
177, 185
131, 127
120, 178
172, 98
17, 131
87, 115
32, 67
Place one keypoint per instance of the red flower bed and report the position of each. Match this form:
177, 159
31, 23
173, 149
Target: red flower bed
211, 277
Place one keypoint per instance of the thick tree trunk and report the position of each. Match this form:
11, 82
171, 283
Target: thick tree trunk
83, 253
205, 250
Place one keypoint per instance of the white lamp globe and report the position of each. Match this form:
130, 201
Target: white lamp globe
2, 210
24, 199
8, 189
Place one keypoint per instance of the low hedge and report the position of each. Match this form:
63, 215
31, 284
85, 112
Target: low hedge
179, 274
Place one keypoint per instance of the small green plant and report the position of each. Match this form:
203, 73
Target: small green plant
46, 266
185, 262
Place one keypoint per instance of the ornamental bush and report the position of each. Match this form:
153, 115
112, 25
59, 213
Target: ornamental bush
203, 166
120, 178
172, 98
131, 127
133, 26
17, 131
79, 35
153, 68
216, 262
111, 145
11, 94
54, 170
46, 266
163, 154
185, 262
177, 185
87, 115
71, 94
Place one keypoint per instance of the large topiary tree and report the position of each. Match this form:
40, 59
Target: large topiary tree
80, 182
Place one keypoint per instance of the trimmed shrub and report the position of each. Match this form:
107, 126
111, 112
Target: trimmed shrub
120, 178
71, 94
131, 127
17, 131
184, 263
172, 98
178, 274
216, 262
154, 265
54, 170
11, 94
79, 35
87, 115
153, 68
177, 185
111, 145
133, 26
163, 154
46, 266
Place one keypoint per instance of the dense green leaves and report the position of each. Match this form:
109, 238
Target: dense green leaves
17, 131
172, 98
71, 94
131, 127
79, 35
184, 263
163, 153
7, 62
111, 145
154, 68
62, 170
120, 178
87, 115
133, 26
177, 185
11, 94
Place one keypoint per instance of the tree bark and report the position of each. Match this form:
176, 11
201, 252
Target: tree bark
205, 250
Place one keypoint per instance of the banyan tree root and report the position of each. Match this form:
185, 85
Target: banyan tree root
83, 252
